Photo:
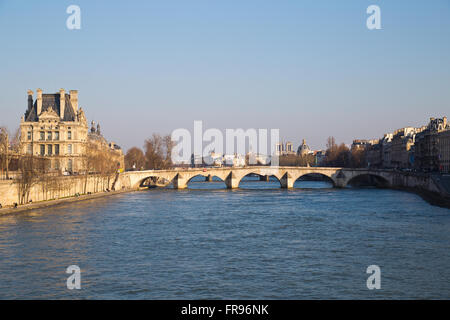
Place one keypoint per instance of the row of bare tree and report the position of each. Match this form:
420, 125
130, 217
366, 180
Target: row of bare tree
297, 160
97, 162
341, 156
156, 155
98, 168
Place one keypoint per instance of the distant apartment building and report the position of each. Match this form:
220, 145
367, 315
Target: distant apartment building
213, 159
258, 159
371, 151
218, 160
362, 144
429, 152
234, 160
443, 139
373, 155
401, 147
385, 149
319, 157
55, 128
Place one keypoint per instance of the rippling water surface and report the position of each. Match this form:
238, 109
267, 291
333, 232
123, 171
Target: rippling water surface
258, 242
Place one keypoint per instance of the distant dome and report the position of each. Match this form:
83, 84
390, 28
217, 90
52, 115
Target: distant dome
303, 148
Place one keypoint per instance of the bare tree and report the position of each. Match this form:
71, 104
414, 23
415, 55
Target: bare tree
134, 159
4, 151
154, 152
31, 171
297, 160
158, 152
168, 146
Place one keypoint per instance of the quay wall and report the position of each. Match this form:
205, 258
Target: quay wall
428, 186
55, 188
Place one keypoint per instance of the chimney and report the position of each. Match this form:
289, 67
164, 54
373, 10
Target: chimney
30, 99
62, 103
39, 102
74, 100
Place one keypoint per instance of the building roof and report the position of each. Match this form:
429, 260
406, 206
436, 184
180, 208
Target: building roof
94, 136
52, 101
438, 124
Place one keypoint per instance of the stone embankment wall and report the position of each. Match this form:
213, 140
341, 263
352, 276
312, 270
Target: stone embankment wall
428, 186
411, 180
55, 188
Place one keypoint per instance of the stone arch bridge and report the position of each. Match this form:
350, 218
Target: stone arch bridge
180, 177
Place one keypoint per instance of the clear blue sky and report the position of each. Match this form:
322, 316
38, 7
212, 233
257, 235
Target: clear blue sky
310, 68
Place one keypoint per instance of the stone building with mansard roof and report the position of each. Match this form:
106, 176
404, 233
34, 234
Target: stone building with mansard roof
55, 127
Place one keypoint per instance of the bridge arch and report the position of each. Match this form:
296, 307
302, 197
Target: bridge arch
208, 179
153, 181
319, 176
368, 179
260, 177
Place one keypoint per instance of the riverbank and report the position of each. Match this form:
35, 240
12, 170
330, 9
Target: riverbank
432, 198
56, 202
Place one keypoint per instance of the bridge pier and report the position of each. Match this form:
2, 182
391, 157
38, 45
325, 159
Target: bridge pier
180, 182
264, 178
232, 181
340, 183
287, 181
209, 178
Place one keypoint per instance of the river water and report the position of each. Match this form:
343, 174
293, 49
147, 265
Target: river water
257, 242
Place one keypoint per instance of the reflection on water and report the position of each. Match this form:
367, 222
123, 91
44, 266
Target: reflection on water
259, 241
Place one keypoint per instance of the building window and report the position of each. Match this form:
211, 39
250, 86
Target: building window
57, 149
42, 149
56, 164
29, 135
49, 149
30, 148
69, 135
49, 135
69, 149
56, 135
42, 135
69, 165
